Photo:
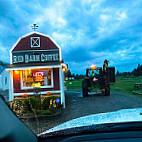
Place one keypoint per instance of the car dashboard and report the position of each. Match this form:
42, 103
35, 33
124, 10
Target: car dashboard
126, 136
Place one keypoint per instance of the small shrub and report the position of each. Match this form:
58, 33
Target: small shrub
17, 106
27, 106
52, 110
35, 103
46, 103
59, 105
31, 103
44, 112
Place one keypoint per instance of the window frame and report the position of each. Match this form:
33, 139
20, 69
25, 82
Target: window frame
32, 46
49, 86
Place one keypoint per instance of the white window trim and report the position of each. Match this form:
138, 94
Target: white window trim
25, 88
34, 50
33, 67
32, 46
42, 92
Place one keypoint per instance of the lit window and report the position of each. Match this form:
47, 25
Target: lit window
33, 78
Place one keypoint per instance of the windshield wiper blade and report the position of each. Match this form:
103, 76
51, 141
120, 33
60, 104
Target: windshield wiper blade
128, 125
98, 128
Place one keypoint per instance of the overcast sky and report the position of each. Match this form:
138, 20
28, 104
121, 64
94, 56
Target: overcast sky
88, 31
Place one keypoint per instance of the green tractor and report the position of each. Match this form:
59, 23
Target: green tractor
98, 80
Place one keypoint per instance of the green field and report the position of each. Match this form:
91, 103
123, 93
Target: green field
76, 84
126, 84
122, 84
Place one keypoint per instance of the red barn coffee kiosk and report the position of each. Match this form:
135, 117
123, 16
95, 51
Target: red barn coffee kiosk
36, 61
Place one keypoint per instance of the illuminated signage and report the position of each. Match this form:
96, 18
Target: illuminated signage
38, 74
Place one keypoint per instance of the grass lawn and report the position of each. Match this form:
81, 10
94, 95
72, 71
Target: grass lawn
126, 84
122, 84
75, 84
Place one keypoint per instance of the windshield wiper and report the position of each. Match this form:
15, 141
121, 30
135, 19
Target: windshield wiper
99, 128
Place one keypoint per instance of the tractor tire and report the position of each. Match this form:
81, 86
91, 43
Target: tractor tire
107, 91
84, 88
85, 92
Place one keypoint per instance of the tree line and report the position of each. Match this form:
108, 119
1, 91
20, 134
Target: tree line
76, 76
136, 72
3, 64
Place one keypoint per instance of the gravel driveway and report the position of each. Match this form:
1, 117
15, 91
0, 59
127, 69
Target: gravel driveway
77, 106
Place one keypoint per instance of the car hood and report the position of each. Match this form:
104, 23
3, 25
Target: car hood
125, 115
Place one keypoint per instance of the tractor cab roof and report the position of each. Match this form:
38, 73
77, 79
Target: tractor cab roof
97, 68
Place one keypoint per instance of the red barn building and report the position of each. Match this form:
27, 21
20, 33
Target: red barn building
36, 61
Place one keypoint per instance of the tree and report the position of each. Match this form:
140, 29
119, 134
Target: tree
137, 71
68, 74
73, 75
118, 73
3, 64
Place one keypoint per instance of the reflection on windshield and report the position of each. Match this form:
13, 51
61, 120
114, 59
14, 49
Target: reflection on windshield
93, 72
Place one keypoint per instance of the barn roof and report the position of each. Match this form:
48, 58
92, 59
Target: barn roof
24, 43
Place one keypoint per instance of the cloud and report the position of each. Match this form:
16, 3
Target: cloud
104, 17
87, 31
4, 54
121, 16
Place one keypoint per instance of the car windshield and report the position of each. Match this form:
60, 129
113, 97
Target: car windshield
68, 60
93, 72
